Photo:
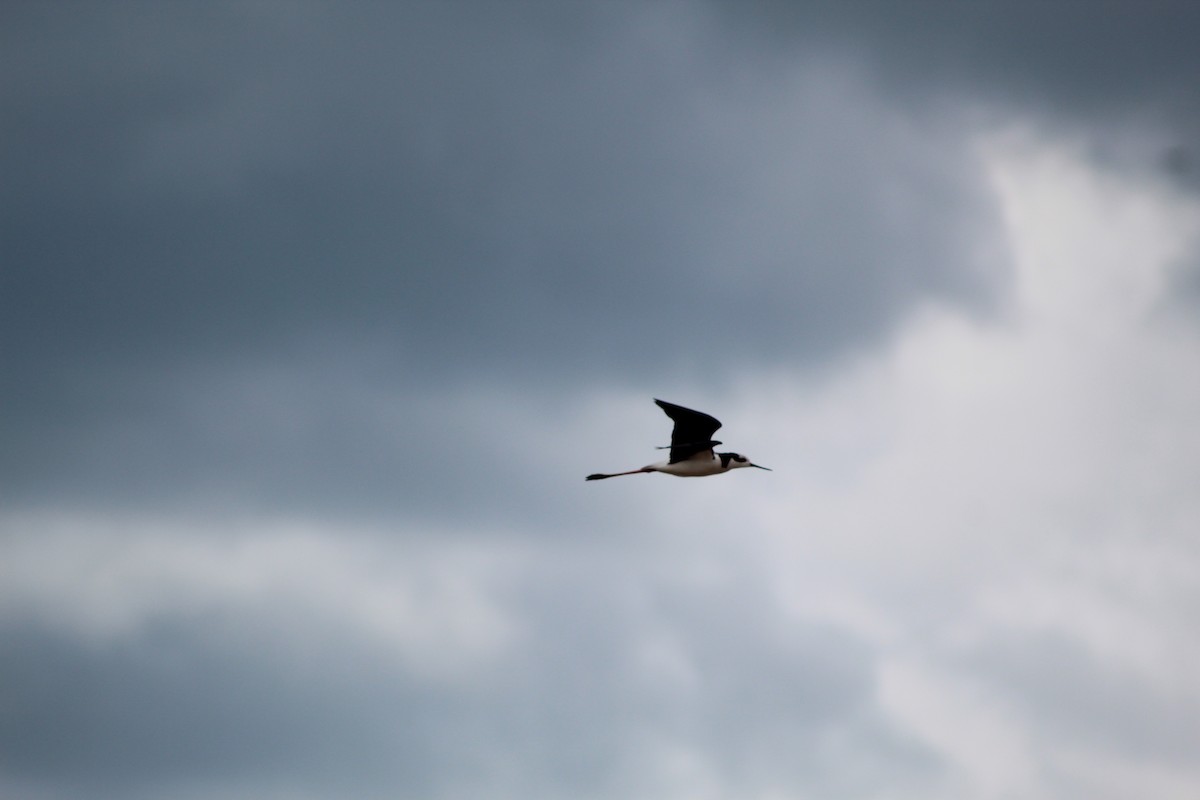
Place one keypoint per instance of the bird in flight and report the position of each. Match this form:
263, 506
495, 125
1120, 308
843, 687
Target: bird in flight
691, 448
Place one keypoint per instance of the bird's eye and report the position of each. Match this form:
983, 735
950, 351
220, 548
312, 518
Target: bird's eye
740, 459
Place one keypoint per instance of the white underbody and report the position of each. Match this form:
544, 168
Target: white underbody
697, 466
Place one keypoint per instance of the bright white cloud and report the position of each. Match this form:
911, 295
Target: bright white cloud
987, 487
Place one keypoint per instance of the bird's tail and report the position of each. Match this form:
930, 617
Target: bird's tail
599, 476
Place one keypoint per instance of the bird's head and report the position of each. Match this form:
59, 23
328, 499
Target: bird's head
737, 460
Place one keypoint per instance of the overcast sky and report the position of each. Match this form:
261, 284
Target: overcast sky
315, 315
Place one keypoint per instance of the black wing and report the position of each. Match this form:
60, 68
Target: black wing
692, 433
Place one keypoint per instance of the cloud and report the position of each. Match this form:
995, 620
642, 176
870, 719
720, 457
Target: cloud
969, 577
322, 315
313, 658
553, 204
257, 250
1016, 499
1088, 68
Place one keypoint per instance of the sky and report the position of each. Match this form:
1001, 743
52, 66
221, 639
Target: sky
315, 316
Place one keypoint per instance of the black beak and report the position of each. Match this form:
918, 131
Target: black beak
768, 469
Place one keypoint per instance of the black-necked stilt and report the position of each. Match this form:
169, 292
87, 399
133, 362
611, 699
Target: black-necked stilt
692, 446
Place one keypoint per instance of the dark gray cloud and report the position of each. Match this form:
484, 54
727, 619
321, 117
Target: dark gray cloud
1108, 63
473, 189
607, 193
